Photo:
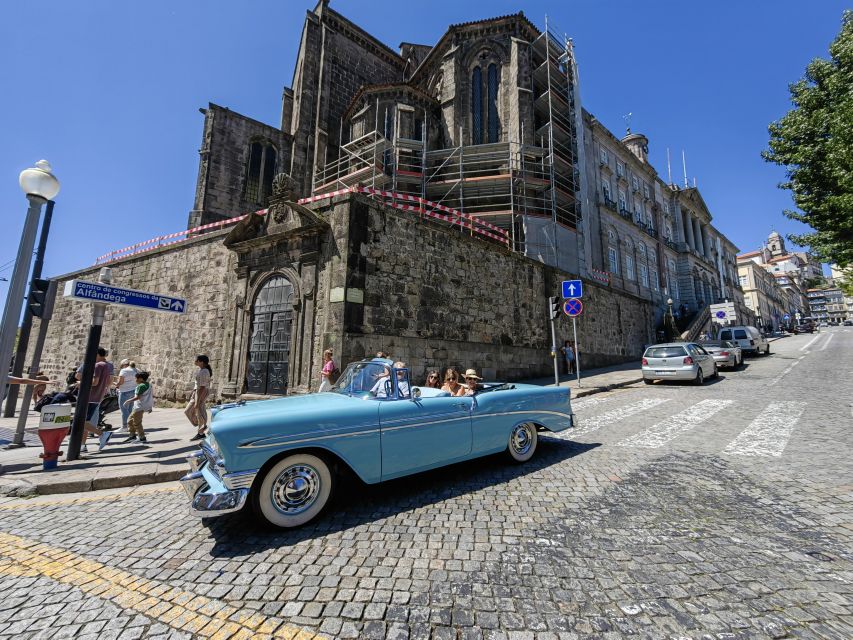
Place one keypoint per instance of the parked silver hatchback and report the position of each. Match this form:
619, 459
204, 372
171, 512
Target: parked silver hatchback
678, 361
727, 354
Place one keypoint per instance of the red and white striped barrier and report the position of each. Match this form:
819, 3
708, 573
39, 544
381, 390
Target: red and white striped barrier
158, 242
601, 276
424, 207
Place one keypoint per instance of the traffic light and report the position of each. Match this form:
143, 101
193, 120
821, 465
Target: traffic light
554, 307
37, 300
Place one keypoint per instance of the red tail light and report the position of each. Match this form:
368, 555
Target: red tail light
725, 354
688, 360
645, 362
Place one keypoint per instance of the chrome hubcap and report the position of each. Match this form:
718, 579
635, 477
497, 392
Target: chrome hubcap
521, 439
296, 489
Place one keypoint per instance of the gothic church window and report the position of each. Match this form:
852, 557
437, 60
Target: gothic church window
260, 172
485, 123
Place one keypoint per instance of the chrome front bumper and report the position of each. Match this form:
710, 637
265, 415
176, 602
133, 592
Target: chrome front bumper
211, 494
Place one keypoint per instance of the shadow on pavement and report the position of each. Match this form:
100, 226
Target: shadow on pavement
357, 503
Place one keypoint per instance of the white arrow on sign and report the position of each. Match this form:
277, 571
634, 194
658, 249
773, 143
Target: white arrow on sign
177, 305
572, 289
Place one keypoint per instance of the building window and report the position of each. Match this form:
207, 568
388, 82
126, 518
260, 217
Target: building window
653, 275
623, 200
477, 105
260, 172
635, 183
605, 187
650, 220
493, 102
668, 232
620, 169
666, 207
742, 280
613, 257
629, 267
638, 211
646, 193
644, 274
641, 249
602, 156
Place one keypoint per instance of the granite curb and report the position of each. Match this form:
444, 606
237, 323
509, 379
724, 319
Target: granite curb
49, 486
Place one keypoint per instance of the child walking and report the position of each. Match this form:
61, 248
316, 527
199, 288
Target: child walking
143, 401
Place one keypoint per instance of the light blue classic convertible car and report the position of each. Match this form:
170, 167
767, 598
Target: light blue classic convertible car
283, 454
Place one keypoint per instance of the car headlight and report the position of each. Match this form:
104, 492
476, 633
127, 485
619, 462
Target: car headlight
211, 442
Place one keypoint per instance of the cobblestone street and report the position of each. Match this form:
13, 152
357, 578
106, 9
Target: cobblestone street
672, 511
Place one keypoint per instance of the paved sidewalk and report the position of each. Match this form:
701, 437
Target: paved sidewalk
596, 380
118, 465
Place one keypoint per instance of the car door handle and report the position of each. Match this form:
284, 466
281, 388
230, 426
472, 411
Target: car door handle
461, 405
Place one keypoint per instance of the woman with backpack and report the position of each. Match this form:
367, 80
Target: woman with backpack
329, 373
196, 411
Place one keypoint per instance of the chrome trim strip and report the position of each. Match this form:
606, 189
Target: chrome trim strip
287, 442
239, 479
254, 442
196, 460
192, 483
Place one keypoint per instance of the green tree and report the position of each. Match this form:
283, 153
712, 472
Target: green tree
814, 141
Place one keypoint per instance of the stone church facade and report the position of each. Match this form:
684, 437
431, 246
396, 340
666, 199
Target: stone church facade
424, 202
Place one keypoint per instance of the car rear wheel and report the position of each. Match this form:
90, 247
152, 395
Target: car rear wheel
294, 491
522, 442
700, 378
648, 381
767, 350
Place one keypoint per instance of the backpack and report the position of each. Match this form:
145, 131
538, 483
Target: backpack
334, 375
146, 401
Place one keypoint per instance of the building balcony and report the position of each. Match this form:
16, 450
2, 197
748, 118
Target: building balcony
625, 213
649, 230
610, 204
672, 245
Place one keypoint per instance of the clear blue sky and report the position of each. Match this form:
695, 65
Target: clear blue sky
109, 93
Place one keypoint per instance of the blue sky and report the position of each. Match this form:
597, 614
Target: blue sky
109, 93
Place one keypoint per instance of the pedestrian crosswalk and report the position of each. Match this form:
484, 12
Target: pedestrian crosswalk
767, 435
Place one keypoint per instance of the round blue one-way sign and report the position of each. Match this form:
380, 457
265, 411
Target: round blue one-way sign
573, 307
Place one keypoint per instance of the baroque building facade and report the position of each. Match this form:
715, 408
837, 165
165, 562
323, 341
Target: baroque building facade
424, 201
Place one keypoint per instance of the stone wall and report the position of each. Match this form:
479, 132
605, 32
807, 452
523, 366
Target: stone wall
224, 160
435, 297
164, 344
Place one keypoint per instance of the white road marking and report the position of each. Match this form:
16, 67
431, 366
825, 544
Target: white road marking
682, 422
583, 403
776, 380
809, 343
594, 423
768, 434
826, 344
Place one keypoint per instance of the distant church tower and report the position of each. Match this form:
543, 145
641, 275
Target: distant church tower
776, 244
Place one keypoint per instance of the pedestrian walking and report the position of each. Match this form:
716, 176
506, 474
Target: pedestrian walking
140, 403
126, 386
569, 356
101, 381
196, 411
327, 373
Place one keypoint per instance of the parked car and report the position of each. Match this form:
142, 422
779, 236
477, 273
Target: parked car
848, 323
748, 338
285, 455
823, 325
804, 327
724, 352
678, 361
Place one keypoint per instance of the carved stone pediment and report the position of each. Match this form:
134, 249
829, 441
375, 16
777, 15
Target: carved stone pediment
284, 218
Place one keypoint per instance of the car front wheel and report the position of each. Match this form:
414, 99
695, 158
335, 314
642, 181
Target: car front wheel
294, 491
522, 442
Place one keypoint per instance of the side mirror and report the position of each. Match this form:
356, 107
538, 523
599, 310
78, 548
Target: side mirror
416, 393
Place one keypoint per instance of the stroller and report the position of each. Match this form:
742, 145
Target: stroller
108, 404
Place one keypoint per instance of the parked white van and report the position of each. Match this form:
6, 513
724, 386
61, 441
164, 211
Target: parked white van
749, 339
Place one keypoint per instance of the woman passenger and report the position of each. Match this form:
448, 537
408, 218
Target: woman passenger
451, 383
433, 380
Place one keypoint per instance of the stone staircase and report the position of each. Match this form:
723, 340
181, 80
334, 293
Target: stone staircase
697, 325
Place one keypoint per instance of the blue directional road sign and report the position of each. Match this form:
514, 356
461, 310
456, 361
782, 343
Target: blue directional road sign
573, 307
107, 294
572, 289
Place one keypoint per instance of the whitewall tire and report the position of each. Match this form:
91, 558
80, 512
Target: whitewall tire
522, 442
294, 491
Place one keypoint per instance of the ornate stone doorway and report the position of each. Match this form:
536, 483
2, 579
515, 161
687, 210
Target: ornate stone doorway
269, 344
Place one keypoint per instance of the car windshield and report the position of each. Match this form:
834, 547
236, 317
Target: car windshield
665, 352
362, 377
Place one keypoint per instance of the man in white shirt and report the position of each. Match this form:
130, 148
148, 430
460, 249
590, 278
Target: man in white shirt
383, 385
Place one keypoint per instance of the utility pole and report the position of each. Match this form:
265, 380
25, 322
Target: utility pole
26, 327
99, 309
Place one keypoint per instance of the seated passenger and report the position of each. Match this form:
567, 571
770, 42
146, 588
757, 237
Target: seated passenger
472, 382
451, 383
432, 380
383, 384
402, 381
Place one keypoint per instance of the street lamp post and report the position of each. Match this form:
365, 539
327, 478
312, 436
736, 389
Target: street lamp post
671, 320
40, 185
